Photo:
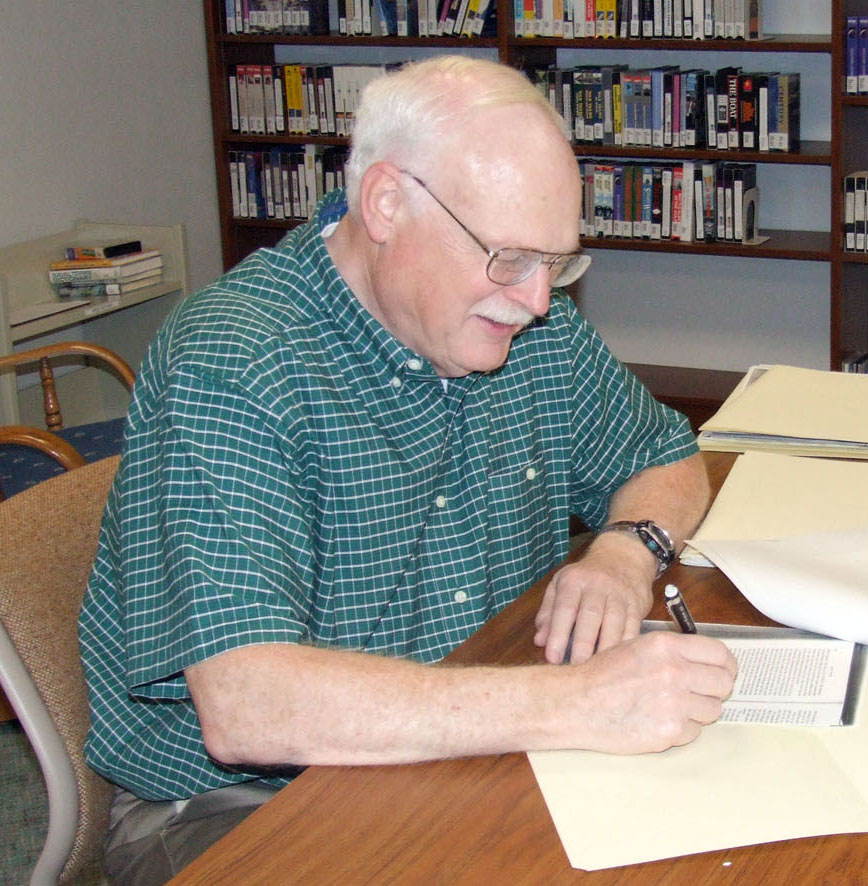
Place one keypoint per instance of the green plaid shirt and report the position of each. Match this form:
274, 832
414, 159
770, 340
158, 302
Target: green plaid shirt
294, 474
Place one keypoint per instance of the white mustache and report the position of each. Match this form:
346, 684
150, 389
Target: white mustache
504, 312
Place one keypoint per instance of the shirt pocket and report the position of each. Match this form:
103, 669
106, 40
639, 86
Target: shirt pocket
521, 540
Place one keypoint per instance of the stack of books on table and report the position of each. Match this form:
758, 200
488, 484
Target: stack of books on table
111, 270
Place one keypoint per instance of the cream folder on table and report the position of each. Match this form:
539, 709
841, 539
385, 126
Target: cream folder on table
736, 785
793, 410
771, 496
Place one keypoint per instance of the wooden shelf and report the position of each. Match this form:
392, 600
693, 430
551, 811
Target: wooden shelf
820, 43
812, 153
338, 40
792, 245
236, 139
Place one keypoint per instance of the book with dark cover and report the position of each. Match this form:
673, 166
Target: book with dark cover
693, 132
721, 88
669, 125
709, 192
733, 108
639, 218
698, 197
851, 57
610, 77
589, 199
788, 128
645, 106
666, 202
647, 201
647, 12
626, 226
109, 250
656, 202
617, 199
860, 210
728, 205
849, 212
597, 104
747, 114
719, 201
761, 91
710, 99
862, 44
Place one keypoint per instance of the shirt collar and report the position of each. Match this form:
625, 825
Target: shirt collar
384, 354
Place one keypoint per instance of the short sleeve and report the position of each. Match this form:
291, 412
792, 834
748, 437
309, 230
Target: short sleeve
221, 535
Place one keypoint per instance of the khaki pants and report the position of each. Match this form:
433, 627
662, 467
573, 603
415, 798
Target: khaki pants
149, 842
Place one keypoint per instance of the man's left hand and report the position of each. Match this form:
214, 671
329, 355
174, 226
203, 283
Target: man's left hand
598, 601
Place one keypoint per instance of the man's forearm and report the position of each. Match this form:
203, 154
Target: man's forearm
675, 496
339, 707
284, 704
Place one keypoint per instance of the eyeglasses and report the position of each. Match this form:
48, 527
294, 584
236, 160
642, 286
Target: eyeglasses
513, 264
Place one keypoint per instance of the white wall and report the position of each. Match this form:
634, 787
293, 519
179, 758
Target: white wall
105, 114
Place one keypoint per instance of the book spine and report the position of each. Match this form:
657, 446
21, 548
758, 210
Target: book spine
862, 42
851, 60
92, 289
85, 275
860, 211
850, 212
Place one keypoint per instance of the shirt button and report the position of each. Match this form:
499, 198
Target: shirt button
440, 501
396, 382
414, 364
530, 473
461, 596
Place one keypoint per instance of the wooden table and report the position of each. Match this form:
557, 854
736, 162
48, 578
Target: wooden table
483, 820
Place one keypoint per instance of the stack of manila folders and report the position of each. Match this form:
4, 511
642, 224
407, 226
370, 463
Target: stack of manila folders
792, 532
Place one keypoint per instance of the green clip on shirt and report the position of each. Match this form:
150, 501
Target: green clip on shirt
293, 474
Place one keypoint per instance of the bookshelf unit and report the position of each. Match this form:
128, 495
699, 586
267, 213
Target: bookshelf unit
694, 391
124, 323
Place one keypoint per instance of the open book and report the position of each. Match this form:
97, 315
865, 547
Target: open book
792, 410
787, 676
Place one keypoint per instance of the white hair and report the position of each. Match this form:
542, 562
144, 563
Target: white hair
405, 115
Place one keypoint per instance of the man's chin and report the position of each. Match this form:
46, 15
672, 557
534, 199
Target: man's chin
487, 361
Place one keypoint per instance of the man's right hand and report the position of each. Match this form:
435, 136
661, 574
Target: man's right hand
650, 693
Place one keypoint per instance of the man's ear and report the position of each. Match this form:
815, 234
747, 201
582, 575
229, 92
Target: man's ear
380, 196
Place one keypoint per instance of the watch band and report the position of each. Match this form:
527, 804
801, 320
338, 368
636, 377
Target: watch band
652, 535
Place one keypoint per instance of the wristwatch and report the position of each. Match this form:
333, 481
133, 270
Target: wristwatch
653, 536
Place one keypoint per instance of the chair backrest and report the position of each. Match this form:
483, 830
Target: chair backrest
48, 538
46, 353
66, 455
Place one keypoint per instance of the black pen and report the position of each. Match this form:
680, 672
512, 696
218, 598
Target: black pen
678, 609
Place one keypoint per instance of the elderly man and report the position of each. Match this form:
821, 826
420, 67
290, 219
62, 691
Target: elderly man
351, 451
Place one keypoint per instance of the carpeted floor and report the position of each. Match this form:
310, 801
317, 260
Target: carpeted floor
25, 810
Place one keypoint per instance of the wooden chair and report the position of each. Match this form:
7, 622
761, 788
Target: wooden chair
45, 354
47, 452
48, 538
